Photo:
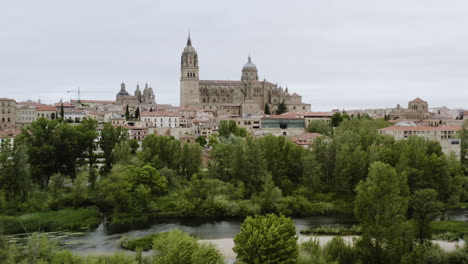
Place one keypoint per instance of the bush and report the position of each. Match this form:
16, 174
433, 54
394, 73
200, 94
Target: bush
337, 250
66, 219
267, 239
178, 247
333, 230
456, 227
144, 243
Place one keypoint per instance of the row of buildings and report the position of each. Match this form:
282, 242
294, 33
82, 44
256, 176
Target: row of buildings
203, 103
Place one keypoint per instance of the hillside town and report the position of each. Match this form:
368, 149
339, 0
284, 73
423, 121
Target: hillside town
261, 107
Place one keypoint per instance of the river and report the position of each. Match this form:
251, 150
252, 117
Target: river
103, 242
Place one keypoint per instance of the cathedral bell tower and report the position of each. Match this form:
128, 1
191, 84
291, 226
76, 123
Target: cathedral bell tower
189, 81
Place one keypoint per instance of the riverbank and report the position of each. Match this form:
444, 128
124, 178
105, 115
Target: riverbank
65, 219
225, 245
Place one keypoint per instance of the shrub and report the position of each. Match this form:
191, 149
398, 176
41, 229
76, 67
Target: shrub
66, 219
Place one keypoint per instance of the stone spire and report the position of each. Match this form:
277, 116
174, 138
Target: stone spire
189, 40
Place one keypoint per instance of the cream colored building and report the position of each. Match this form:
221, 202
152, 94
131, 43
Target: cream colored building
25, 114
445, 135
46, 111
247, 96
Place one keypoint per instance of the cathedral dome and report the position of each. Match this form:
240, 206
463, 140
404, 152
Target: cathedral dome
249, 65
123, 93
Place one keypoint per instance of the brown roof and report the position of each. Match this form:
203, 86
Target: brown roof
418, 100
94, 101
64, 105
465, 113
309, 135
160, 113
281, 117
9, 133
45, 108
422, 128
306, 114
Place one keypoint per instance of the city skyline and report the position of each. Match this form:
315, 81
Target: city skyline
335, 54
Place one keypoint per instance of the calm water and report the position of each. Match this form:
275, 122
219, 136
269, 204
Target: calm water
103, 242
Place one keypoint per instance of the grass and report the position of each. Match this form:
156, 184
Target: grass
144, 243
66, 219
450, 228
333, 230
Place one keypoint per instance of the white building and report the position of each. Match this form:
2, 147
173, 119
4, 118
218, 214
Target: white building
445, 135
161, 118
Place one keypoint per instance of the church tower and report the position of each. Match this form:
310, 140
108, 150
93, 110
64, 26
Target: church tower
189, 79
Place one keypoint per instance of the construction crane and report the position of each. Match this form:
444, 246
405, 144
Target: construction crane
78, 92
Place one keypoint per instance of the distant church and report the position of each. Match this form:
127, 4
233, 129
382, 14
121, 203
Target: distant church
139, 98
233, 98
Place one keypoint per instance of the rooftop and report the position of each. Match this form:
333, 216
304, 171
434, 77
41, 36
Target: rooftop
421, 128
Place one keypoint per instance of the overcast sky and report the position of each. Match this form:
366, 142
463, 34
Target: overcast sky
336, 54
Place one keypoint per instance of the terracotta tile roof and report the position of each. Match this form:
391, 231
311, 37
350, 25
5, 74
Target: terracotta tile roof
45, 108
64, 105
281, 117
9, 133
311, 114
160, 113
96, 113
307, 136
94, 101
421, 128
418, 100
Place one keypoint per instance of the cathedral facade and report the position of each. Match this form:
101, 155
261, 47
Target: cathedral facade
247, 96
138, 98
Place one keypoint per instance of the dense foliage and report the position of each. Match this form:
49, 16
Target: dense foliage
266, 240
55, 167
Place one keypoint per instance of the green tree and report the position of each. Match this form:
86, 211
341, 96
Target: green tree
15, 177
336, 119
110, 136
464, 145
380, 207
229, 127
88, 134
266, 240
161, 151
127, 113
190, 159
62, 112
122, 153
281, 108
201, 140
137, 113
39, 140
425, 207
350, 168
147, 176
68, 148
319, 126
267, 110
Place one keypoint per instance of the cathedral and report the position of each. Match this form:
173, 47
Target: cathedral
139, 98
232, 98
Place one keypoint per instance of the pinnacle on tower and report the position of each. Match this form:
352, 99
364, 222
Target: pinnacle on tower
189, 40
